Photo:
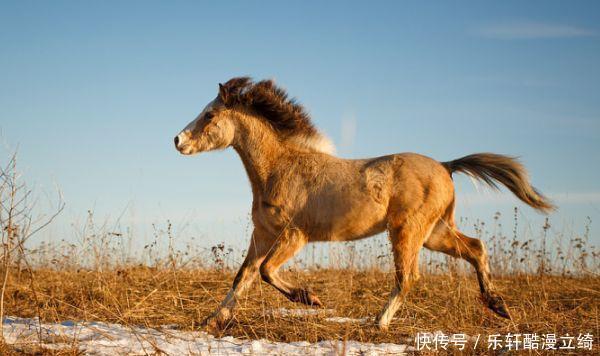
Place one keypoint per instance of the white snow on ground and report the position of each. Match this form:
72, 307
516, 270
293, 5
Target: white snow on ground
284, 312
343, 319
96, 338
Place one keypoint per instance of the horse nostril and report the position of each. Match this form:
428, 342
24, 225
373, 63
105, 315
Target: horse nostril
176, 141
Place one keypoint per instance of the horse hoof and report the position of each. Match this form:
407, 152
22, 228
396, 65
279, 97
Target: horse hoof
217, 322
313, 300
498, 306
383, 327
381, 324
307, 297
211, 326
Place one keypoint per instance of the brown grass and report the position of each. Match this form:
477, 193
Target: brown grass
97, 279
151, 297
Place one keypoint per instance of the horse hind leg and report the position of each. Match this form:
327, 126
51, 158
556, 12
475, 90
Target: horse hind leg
406, 241
449, 240
288, 244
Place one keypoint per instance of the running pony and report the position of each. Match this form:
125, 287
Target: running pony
303, 193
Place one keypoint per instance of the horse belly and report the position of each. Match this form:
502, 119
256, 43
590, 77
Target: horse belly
346, 223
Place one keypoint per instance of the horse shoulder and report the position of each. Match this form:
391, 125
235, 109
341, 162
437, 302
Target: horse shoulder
285, 190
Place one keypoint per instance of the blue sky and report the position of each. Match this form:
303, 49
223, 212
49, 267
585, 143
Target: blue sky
93, 93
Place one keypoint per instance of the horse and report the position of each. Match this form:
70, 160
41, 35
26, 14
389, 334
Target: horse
302, 193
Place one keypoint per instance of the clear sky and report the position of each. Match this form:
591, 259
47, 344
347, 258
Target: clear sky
93, 93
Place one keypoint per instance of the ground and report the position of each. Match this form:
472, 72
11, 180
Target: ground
181, 298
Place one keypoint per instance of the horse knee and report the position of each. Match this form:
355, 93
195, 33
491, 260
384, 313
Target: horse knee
410, 279
478, 246
477, 252
266, 273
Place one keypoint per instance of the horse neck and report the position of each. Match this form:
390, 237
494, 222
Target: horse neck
258, 147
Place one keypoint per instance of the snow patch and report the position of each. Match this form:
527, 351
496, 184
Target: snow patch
284, 312
97, 338
343, 319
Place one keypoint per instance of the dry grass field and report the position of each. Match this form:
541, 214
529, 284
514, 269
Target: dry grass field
151, 297
183, 287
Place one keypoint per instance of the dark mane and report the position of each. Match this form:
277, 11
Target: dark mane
271, 102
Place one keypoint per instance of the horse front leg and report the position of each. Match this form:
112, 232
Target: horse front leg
287, 245
257, 251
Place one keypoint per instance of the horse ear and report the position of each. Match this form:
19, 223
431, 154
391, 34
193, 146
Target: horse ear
223, 93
